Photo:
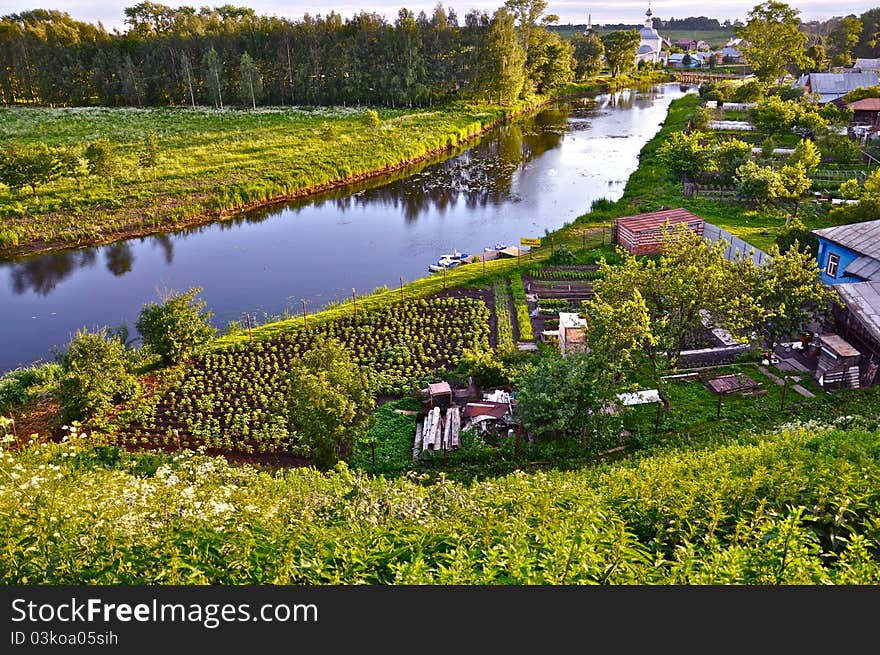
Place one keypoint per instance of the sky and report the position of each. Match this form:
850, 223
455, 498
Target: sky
110, 12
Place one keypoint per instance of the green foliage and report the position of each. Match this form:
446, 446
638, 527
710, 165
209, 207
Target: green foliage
839, 148
94, 375
807, 154
250, 83
620, 50
233, 398
761, 185
103, 160
487, 368
773, 115
523, 320
844, 36
177, 328
28, 165
562, 256
503, 318
850, 190
750, 91
772, 40
371, 118
329, 402
148, 157
685, 154
564, 398
728, 155
589, 54
797, 235
501, 62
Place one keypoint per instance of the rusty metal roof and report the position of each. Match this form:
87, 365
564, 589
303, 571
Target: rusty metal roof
485, 408
867, 104
657, 220
439, 389
839, 345
731, 383
863, 302
863, 238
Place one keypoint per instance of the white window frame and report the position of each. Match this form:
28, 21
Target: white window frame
832, 265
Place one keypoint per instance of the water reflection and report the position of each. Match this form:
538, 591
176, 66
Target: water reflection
43, 273
479, 176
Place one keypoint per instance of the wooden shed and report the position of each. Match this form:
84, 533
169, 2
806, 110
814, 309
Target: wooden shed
440, 395
838, 363
643, 234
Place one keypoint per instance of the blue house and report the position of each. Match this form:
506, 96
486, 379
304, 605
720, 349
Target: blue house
849, 253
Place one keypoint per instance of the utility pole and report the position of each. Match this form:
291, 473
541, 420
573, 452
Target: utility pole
401, 288
354, 307
304, 313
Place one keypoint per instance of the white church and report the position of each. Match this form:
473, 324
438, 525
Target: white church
652, 44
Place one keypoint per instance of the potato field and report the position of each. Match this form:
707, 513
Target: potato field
234, 400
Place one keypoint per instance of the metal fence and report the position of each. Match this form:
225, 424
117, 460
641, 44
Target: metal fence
735, 245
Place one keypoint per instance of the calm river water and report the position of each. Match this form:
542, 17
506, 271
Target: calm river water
520, 179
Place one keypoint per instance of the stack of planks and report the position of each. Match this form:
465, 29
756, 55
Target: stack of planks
438, 432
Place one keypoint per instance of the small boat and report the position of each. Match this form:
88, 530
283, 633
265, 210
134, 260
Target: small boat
497, 246
444, 264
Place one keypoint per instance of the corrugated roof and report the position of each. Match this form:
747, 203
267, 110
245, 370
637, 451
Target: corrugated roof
863, 238
656, 220
495, 410
839, 345
841, 83
867, 64
866, 268
867, 104
862, 299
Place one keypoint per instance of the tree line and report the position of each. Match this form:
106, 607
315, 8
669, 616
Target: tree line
226, 55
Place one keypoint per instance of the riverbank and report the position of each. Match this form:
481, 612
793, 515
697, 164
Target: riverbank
217, 165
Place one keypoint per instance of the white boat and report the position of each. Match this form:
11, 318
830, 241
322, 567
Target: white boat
444, 264
497, 246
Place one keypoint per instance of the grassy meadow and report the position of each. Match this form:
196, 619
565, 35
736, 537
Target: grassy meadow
211, 162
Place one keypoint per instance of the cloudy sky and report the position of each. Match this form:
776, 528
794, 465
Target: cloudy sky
569, 11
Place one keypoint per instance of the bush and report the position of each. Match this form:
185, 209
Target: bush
178, 327
751, 91
94, 375
371, 118
563, 256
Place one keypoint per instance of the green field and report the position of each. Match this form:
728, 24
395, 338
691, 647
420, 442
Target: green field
211, 162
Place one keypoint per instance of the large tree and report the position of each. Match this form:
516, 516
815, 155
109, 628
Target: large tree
621, 47
501, 72
249, 80
329, 402
779, 299
213, 76
772, 40
844, 36
589, 54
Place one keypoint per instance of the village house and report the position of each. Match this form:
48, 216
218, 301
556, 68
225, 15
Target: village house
866, 112
833, 86
686, 44
849, 253
866, 65
643, 234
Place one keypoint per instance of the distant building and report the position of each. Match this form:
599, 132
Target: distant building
572, 333
732, 55
866, 112
867, 65
703, 46
651, 44
686, 44
643, 234
833, 86
849, 253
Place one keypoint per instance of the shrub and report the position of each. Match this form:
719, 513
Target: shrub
371, 118
178, 327
94, 375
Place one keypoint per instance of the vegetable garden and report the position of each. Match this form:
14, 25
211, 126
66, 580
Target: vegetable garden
234, 400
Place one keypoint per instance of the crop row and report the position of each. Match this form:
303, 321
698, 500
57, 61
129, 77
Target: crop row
235, 399
502, 314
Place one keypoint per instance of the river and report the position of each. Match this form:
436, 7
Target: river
537, 173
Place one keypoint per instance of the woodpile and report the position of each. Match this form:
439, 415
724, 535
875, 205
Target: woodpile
438, 431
